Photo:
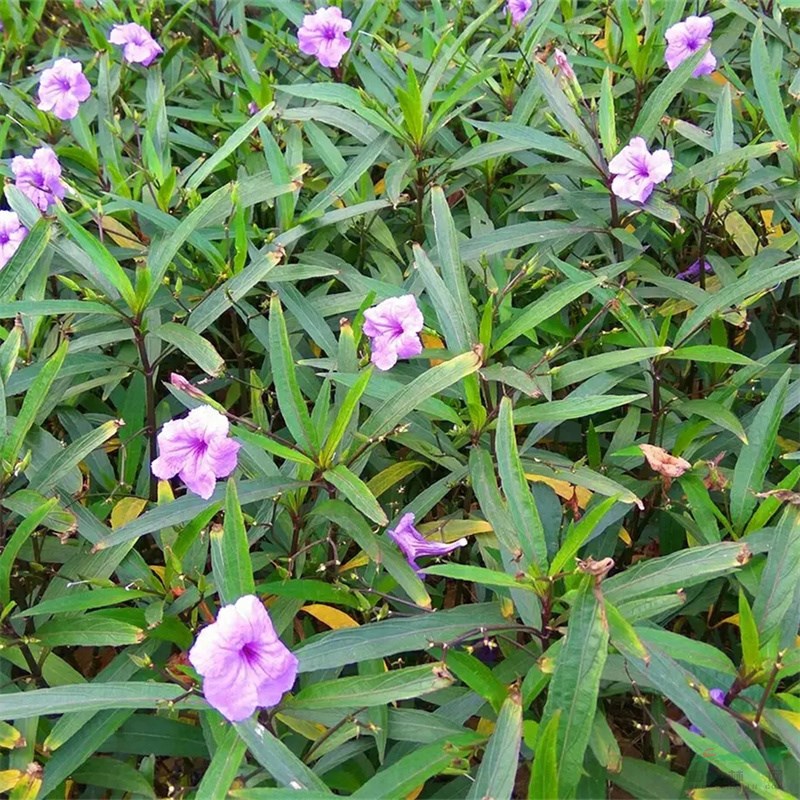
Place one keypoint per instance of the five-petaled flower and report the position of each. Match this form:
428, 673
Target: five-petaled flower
685, 38
138, 46
637, 170
62, 88
393, 327
518, 9
12, 232
322, 34
664, 463
414, 544
243, 663
196, 449
39, 177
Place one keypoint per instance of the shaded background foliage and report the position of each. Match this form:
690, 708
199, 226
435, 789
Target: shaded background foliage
234, 210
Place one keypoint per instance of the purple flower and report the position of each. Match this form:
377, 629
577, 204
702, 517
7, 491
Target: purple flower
243, 663
62, 88
637, 170
197, 449
518, 9
685, 38
717, 697
393, 327
12, 232
323, 35
252, 108
138, 46
39, 177
562, 62
414, 544
692, 273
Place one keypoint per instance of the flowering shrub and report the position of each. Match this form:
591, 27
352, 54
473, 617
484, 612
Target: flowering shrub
399, 400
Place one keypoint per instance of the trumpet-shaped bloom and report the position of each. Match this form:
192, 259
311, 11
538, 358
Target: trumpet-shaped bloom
414, 544
62, 88
12, 232
138, 46
323, 35
685, 38
243, 663
518, 9
637, 170
39, 177
197, 449
393, 327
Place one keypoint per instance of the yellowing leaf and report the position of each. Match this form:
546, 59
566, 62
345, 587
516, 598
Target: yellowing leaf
453, 529
310, 730
485, 727
432, 341
121, 235
563, 489
126, 510
361, 560
332, 617
9, 778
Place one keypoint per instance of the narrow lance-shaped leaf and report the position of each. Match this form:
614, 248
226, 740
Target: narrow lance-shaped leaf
223, 768
193, 345
230, 552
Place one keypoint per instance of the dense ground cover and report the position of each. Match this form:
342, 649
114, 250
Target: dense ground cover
400, 401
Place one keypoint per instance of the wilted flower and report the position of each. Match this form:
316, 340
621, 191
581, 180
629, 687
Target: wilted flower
692, 273
323, 35
138, 46
39, 177
562, 62
663, 463
12, 232
243, 663
637, 170
685, 38
62, 88
393, 327
518, 9
196, 449
414, 544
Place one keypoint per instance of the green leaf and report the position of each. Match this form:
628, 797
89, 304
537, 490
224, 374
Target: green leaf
102, 260
193, 345
14, 544
396, 781
279, 761
544, 772
91, 697
372, 690
433, 381
532, 139
523, 511
607, 121
577, 534
79, 600
711, 168
756, 456
748, 631
766, 69
574, 407
388, 637
87, 630
710, 353
575, 684
230, 551
27, 255
540, 310
110, 773
290, 400
604, 744
32, 403
357, 492
475, 674
731, 764
658, 101
577, 371
223, 768
347, 412
714, 412
479, 575
498, 770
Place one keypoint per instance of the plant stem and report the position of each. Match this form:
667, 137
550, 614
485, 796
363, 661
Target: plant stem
149, 399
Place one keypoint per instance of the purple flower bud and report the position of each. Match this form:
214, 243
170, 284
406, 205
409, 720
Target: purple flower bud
685, 38
138, 46
62, 88
562, 62
252, 108
717, 696
323, 35
39, 177
393, 327
692, 273
243, 663
637, 170
196, 449
12, 232
414, 544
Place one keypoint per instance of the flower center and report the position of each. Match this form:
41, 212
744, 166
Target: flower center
65, 84
249, 652
4, 237
329, 32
